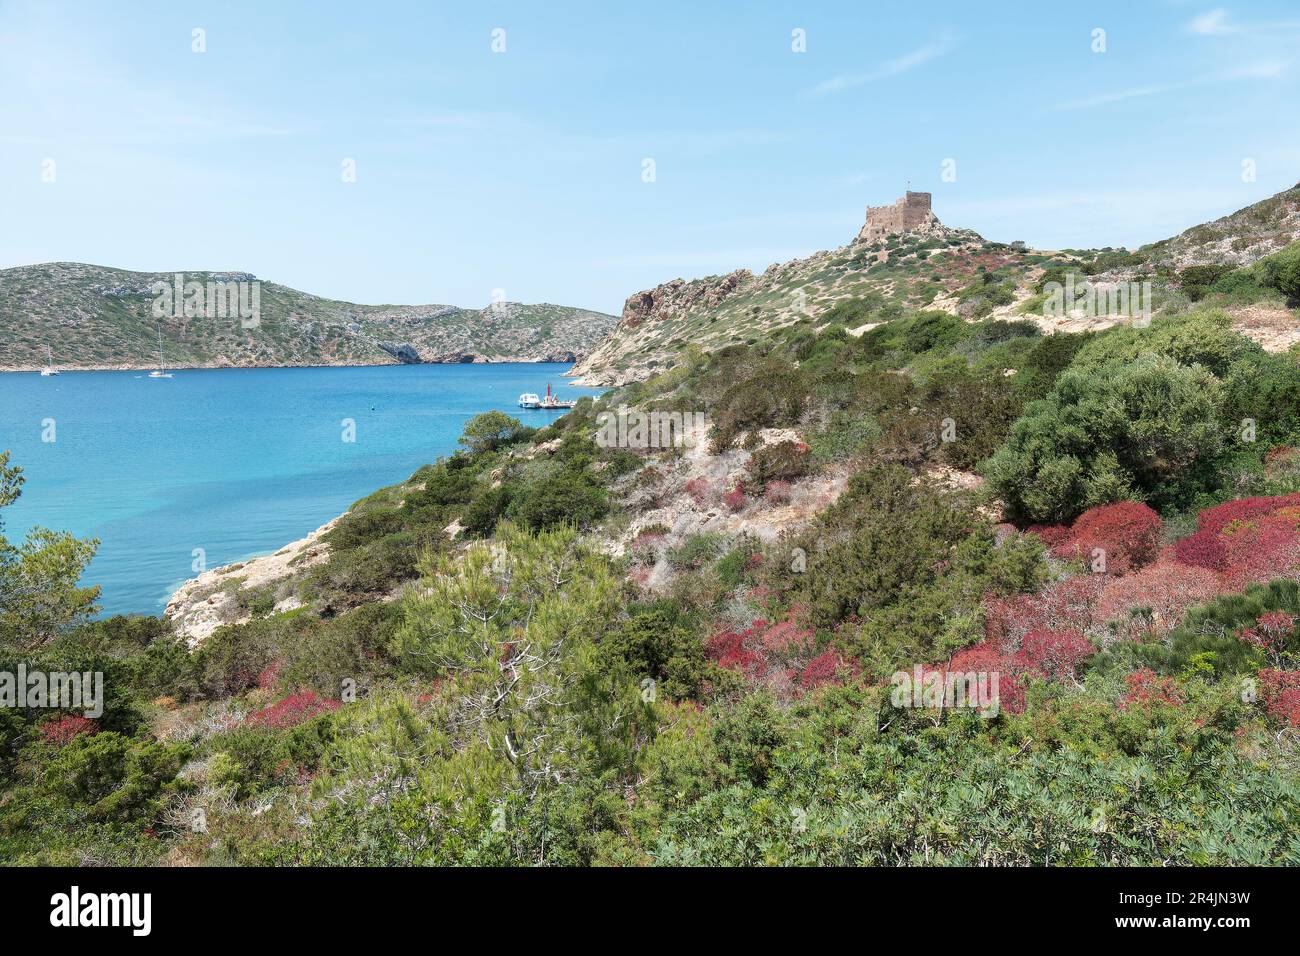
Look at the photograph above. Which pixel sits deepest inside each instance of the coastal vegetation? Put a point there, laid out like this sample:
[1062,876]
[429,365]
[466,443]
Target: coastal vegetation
[545,649]
[99,317]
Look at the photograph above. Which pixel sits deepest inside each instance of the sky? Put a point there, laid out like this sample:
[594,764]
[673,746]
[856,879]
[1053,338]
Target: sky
[576,152]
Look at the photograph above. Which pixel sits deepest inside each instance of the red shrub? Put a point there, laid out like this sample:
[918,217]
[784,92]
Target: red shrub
[735,499]
[62,730]
[1056,655]
[779,655]
[1274,623]
[1271,632]
[644,548]
[1203,549]
[1065,605]
[699,490]
[1145,689]
[783,637]
[1127,533]
[1243,509]
[1265,551]
[777,492]
[1250,539]
[1050,535]
[269,675]
[1167,588]
[728,650]
[289,774]
[648,540]
[1049,655]
[822,670]
[1281,694]
[986,658]
[292,710]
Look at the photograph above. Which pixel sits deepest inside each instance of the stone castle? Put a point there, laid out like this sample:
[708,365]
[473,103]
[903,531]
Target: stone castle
[909,214]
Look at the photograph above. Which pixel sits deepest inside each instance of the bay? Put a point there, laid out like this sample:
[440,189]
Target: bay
[237,462]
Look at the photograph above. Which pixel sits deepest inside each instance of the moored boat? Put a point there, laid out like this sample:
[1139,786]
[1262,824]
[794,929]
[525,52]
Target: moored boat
[550,401]
[547,401]
[160,371]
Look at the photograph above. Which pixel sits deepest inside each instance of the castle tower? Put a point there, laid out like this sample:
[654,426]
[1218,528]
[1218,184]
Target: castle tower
[910,214]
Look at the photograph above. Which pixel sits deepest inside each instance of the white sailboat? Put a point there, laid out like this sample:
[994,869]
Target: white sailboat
[160,372]
[49,364]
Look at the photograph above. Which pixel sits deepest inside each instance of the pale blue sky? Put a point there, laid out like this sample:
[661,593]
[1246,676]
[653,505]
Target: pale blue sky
[522,170]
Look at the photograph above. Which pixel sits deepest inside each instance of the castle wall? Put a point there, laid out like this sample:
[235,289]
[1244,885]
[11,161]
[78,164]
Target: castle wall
[910,212]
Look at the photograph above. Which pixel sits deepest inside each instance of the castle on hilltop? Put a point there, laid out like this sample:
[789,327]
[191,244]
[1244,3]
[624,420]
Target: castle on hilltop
[909,214]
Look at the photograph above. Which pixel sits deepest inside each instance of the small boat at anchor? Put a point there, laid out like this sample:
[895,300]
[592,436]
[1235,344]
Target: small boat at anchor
[49,364]
[160,371]
[549,401]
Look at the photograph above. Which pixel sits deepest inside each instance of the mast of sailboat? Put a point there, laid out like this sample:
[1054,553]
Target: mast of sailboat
[160,354]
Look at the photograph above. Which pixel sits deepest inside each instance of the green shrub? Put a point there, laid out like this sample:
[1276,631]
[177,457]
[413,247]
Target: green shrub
[1148,429]
[1209,635]
[1198,338]
[912,561]
[782,461]
[845,436]
[1050,356]
[1196,281]
[773,395]
[696,550]
[747,736]
[569,497]
[659,643]
[481,516]
[112,776]
[358,528]
[493,430]
[980,409]
[1281,271]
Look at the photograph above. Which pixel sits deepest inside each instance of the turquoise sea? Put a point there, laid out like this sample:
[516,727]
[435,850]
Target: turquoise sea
[238,462]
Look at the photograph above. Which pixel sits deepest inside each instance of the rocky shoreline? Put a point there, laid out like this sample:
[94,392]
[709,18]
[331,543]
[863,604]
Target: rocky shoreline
[204,603]
[458,359]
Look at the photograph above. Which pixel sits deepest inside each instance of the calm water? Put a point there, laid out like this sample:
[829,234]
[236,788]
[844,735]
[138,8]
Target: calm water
[236,461]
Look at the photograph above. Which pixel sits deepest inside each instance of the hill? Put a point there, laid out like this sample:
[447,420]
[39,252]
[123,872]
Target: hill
[896,264]
[737,613]
[98,317]
[1237,239]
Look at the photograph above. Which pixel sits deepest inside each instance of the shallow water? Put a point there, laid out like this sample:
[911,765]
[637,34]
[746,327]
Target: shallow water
[238,462]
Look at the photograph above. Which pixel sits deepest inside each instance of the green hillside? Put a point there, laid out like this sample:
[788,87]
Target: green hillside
[93,316]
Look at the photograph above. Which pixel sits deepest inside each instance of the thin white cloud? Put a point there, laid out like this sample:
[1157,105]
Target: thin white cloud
[1219,23]
[1211,23]
[902,64]
[1131,93]
[1258,70]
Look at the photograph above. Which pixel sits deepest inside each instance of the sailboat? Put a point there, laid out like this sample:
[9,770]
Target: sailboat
[159,372]
[49,364]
